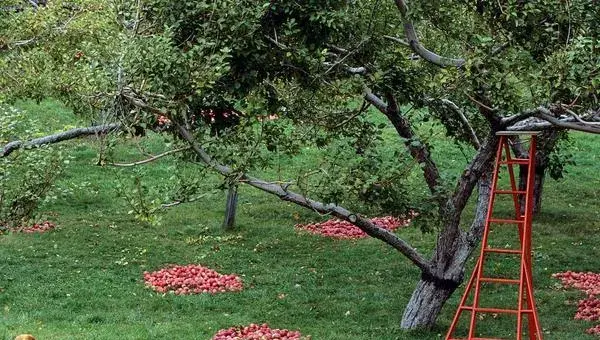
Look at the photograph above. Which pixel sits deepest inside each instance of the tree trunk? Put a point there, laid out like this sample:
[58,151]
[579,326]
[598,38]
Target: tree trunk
[538,187]
[431,293]
[546,143]
[426,302]
[230,207]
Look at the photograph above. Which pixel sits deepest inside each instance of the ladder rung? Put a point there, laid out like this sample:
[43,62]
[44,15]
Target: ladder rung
[499,280]
[502,251]
[475,339]
[516,161]
[518,192]
[506,221]
[496,310]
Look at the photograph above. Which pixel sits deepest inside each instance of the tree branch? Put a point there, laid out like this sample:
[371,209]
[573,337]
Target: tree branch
[58,137]
[476,168]
[546,115]
[280,191]
[417,47]
[151,159]
[374,100]
[398,40]
[542,118]
[418,150]
[472,135]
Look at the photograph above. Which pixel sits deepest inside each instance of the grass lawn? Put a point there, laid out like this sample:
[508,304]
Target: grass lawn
[84,280]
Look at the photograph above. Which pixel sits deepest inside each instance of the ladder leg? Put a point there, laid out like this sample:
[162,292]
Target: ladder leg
[533,321]
[484,240]
[463,300]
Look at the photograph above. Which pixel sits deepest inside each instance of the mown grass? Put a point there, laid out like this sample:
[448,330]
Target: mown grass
[84,280]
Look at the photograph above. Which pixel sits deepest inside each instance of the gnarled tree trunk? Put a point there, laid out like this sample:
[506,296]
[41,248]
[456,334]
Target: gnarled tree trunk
[452,252]
[426,302]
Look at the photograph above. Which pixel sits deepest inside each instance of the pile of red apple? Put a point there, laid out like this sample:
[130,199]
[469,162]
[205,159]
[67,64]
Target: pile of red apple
[589,308]
[594,330]
[588,282]
[340,229]
[254,331]
[35,228]
[191,279]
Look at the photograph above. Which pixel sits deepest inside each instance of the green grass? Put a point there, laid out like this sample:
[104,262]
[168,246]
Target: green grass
[84,280]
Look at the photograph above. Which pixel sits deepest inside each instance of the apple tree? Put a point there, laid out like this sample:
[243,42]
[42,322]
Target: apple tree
[211,73]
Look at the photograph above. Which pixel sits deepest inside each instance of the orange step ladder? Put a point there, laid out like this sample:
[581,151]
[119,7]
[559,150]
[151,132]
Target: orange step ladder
[526,302]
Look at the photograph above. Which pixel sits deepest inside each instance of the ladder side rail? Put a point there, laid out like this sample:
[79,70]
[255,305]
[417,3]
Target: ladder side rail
[525,285]
[533,324]
[486,229]
[462,302]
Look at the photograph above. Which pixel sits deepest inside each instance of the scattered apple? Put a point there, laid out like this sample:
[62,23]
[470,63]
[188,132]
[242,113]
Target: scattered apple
[191,279]
[35,228]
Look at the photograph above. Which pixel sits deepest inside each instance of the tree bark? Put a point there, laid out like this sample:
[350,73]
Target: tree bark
[230,207]
[58,137]
[431,293]
[546,143]
[426,302]
[538,187]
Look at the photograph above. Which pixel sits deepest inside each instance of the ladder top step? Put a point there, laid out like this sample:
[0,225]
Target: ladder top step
[517,133]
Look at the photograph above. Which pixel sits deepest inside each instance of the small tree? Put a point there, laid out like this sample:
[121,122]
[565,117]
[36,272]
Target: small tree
[25,180]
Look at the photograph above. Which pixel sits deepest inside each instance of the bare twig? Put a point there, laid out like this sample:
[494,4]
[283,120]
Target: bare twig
[365,105]
[398,40]
[151,159]
[474,139]
[176,203]
[479,103]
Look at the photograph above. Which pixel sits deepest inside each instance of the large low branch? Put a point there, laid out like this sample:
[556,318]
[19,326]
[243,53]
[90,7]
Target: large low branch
[58,137]
[417,47]
[542,118]
[286,195]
